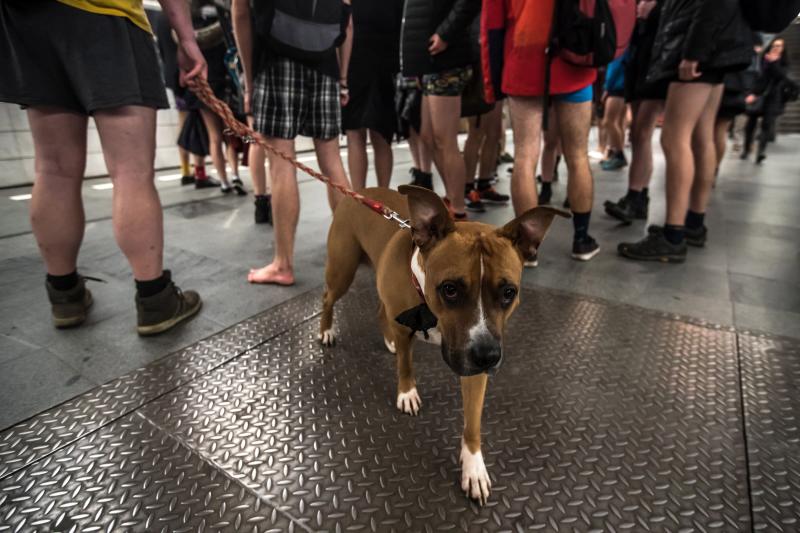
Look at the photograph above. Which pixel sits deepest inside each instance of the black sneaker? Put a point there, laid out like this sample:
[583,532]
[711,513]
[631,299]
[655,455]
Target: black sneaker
[187,180]
[206,183]
[760,158]
[69,308]
[473,202]
[626,211]
[566,203]
[165,310]
[492,196]
[505,157]
[585,249]
[545,195]
[263,213]
[694,236]
[226,189]
[654,247]
[238,186]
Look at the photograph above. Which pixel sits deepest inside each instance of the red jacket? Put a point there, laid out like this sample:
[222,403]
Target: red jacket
[514,35]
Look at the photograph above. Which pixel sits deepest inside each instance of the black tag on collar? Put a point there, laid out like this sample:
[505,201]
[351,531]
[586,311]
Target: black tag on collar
[418,318]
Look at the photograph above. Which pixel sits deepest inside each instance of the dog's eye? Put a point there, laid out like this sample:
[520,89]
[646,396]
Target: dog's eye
[449,290]
[509,293]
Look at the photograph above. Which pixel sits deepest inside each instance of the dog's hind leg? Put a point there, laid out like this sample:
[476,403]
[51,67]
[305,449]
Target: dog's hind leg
[408,400]
[474,477]
[344,256]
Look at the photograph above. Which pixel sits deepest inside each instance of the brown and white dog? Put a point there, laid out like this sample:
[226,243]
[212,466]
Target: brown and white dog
[468,274]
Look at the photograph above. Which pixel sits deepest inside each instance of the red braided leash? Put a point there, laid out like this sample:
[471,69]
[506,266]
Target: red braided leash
[200,88]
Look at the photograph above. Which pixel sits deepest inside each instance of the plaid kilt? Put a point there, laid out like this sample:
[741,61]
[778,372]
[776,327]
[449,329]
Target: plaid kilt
[291,99]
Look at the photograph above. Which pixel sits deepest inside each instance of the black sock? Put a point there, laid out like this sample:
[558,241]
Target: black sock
[153,286]
[694,220]
[634,197]
[646,192]
[547,186]
[65,282]
[673,234]
[468,187]
[580,221]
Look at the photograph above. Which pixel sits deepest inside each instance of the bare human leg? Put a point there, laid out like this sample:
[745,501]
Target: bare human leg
[491,123]
[56,210]
[704,151]
[444,113]
[526,123]
[330,163]
[127,135]
[214,126]
[357,162]
[645,116]
[574,122]
[285,213]
[383,157]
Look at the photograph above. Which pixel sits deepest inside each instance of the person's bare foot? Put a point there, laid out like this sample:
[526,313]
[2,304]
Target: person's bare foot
[271,274]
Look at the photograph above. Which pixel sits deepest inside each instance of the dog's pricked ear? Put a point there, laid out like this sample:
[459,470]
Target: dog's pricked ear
[430,219]
[527,231]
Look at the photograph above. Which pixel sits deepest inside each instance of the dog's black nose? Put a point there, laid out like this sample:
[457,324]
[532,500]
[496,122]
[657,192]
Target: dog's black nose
[485,353]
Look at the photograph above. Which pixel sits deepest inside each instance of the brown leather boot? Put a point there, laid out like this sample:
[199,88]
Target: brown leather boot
[165,310]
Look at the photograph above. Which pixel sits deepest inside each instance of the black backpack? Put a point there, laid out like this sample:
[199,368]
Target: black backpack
[303,30]
[770,16]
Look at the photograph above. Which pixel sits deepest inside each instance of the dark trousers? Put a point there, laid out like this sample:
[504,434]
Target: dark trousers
[767,132]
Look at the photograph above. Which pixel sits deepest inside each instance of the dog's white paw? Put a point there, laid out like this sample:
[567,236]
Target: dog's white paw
[327,337]
[475,480]
[390,345]
[409,402]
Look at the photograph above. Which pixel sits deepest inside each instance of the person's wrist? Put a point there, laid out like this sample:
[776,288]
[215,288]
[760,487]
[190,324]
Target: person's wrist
[343,82]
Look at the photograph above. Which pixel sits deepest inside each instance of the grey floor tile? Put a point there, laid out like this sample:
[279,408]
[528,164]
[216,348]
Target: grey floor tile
[35,381]
[768,293]
[776,322]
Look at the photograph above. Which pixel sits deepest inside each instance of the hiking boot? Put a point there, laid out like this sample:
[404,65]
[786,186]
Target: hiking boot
[654,247]
[627,211]
[473,201]
[489,194]
[69,308]
[421,179]
[263,213]
[585,249]
[165,310]
[694,236]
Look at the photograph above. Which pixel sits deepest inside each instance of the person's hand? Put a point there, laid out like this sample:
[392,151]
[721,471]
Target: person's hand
[247,101]
[191,62]
[687,70]
[644,8]
[344,93]
[437,45]
[750,99]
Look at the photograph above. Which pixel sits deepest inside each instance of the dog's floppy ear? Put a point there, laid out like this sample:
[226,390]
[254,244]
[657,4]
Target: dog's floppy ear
[430,219]
[527,231]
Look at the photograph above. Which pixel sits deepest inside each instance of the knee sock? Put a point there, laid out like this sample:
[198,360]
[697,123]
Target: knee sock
[151,287]
[673,234]
[186,169]
[580,222]
[694,220]
[547,187]
[65,282]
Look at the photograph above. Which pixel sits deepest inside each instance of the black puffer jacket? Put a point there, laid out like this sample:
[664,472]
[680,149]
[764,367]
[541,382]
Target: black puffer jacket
[712,32]
[451,20]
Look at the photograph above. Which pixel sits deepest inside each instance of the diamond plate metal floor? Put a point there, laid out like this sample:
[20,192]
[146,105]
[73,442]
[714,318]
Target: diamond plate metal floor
[604,418]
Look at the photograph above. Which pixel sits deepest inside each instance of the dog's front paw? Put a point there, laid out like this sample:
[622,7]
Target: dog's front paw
[409,402]
[327,337]
[474,477]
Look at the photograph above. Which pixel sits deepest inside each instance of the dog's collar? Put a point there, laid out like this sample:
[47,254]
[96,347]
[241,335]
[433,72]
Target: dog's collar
[419,318]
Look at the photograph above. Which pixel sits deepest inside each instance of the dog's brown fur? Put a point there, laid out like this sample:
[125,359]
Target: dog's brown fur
[483,261]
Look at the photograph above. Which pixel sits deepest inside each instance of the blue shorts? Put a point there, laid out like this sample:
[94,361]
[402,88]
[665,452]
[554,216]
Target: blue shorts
[576,97]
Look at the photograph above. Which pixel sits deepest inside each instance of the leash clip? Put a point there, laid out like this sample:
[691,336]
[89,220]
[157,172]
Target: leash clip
[400,221]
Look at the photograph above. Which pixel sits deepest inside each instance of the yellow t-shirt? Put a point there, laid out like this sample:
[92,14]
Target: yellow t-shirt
[131,9]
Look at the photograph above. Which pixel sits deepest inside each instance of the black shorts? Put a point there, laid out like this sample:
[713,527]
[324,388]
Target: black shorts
[60,56]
